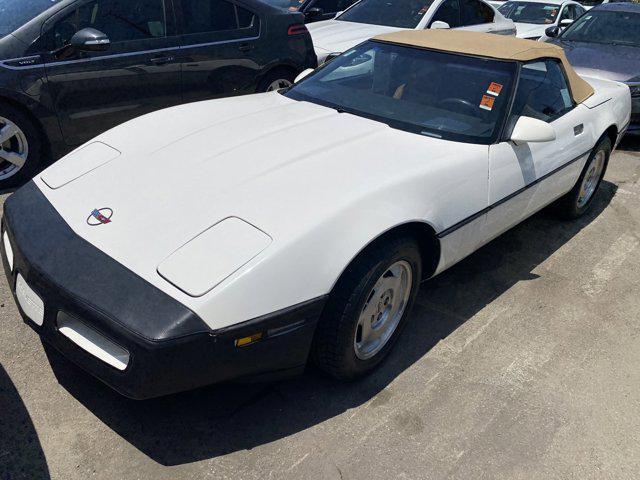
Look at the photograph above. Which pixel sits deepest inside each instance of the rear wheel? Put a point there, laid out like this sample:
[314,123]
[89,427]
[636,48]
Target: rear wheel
[368,309]
[276,79]
[20,147]
[576,203]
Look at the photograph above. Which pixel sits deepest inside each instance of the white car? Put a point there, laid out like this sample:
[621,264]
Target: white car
[533,17]
[242,236]
[368,18]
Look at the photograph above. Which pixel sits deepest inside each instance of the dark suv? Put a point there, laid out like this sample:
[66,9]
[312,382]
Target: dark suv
[71,69]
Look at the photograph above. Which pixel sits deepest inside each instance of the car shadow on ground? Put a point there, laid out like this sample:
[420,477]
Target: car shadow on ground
[221,419]
[21,456]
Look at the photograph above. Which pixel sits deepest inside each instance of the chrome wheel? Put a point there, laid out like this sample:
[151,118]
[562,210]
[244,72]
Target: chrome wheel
[383,310]
[591,178]
[14,148]
[278,84]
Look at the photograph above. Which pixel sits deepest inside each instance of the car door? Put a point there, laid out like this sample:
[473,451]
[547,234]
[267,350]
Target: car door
[92,92]
[524,178]
[219,48]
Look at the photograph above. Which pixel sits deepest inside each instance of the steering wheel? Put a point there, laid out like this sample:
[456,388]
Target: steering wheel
[456,103]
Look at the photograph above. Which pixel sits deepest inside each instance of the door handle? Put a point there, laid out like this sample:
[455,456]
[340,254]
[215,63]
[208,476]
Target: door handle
[578,129]
[162,60]
[245,47]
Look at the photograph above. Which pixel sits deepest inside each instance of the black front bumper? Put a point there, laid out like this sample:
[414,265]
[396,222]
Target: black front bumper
[170,348]
[634,126]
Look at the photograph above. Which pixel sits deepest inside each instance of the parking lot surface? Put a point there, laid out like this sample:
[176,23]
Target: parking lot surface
[521,362]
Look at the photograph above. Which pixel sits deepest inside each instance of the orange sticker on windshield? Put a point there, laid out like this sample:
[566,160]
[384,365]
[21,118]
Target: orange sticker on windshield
[494,89]
[487,102]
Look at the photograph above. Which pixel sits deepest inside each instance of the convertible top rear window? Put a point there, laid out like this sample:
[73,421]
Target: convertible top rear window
[438,94]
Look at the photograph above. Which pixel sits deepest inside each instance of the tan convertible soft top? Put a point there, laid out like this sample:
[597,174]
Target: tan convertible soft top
[492,46]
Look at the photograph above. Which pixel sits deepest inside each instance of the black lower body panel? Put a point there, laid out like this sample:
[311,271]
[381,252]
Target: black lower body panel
[170,348]
[634,126]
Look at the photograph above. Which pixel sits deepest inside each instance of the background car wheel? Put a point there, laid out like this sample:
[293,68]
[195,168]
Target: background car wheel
[575,203]
[368,308]
[21,151]
[276,79]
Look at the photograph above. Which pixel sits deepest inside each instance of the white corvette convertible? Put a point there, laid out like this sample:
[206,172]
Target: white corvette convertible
[243,236]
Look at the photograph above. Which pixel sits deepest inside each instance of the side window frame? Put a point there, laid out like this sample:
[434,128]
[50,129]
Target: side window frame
[464,7]
[563,73]
[216,36]
[569,11]
[433,18]
[511,118]
[116,47]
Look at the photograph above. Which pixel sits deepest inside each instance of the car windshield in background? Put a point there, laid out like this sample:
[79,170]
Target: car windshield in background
[15,13]
[437,94]
[611,27]
[392,13]
[593,3]
[291,5]
[529,12]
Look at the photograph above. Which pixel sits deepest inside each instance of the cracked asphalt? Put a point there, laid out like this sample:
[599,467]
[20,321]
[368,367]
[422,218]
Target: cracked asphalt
[521,362]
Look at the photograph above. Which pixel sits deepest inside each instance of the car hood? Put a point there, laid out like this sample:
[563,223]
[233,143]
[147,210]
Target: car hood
[337,36]
[277,164]
[529,30]
[610,62]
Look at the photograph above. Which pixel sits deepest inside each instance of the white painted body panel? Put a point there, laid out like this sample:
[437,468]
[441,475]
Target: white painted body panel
[295,170]
[321,184]
[337,36]
[531,30]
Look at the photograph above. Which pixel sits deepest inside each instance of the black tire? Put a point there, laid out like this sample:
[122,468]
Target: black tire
[568,206]
[334,349]
[36,158]
[274,75]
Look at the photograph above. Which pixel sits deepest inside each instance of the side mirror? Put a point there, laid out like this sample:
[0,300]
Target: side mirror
[566,22]
[90,40]
[314,12]
[303,74]
[532,130]
[439,25]
[553,32]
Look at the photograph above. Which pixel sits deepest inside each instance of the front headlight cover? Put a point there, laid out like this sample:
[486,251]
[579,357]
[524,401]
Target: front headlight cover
[78,163]
[205,261]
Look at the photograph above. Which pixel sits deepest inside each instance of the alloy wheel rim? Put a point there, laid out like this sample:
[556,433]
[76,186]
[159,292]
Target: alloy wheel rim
[591,179]
[14,148]
[381,314]
[278,84]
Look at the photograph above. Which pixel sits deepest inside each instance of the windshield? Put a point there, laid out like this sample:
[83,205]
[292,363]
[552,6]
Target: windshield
[436,94]
[529,12]
[392,13]
[15,13]
[619,28]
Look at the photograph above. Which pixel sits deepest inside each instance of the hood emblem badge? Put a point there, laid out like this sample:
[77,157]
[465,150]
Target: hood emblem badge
[100,216]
